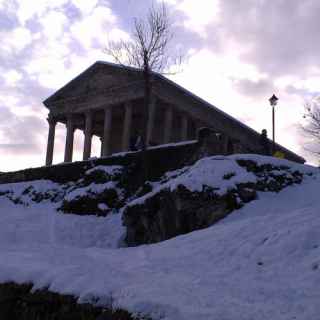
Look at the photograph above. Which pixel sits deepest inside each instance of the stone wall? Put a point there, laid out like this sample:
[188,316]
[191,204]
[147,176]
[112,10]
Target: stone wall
[161,160]
[151,165]
[129,181]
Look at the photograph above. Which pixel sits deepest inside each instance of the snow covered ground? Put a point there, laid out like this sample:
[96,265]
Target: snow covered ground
[261,262]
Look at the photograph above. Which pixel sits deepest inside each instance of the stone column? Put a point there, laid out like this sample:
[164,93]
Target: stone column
[127,126]
[101,149]
[150,125]
[168,125]
[225,144]
[106,132]
[87,136]
[69,140]
[50,146]
[184,128]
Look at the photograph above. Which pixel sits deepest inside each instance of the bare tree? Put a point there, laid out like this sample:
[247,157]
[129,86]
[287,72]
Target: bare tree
[148,48]
[312,124]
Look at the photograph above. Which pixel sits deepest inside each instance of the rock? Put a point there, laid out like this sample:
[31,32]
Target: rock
[168,214]
[18,302]
[91,203]
[246,193]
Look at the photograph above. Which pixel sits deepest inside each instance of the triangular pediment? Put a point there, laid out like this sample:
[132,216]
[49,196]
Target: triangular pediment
[99,76]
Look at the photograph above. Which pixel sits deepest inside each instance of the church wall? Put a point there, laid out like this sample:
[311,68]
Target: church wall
[206,115]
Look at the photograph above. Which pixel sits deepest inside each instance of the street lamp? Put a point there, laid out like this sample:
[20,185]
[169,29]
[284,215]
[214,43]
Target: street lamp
[273,102]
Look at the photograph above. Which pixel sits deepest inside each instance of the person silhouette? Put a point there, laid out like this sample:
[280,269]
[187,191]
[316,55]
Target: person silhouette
[264,143]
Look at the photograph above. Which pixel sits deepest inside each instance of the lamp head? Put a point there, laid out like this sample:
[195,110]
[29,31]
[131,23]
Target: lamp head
[273,100]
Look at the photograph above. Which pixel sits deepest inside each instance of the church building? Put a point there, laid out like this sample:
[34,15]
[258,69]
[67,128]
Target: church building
[107,100]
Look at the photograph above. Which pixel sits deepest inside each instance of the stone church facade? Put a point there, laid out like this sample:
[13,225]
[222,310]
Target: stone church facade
[106,100]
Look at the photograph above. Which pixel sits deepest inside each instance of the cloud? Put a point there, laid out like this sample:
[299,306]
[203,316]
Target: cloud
[45,44]
[279,36]
[34,9]
[16,131]
[12,77]
[18,148]
[199,16]
[53,24]
[86,7]
[93,27]
[15,40]
[255,89]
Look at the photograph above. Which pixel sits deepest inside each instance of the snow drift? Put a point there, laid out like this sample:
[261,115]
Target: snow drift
[260,262]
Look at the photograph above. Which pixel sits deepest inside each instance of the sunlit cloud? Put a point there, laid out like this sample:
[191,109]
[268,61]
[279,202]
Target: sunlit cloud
[34,9]
[92,28]
[86,7]
[53,24]
[199,14]
[12,77]
[15,40]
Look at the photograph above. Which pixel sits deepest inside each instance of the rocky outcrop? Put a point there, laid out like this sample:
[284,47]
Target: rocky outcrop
[19,302]
[167,213]
[100,191]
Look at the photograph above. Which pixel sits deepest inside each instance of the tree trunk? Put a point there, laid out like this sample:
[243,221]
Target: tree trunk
[147,96]
[147,99]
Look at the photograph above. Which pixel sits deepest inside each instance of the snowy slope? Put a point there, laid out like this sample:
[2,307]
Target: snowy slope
[261,262]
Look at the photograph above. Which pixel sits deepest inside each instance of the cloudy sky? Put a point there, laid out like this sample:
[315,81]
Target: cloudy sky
[240,53]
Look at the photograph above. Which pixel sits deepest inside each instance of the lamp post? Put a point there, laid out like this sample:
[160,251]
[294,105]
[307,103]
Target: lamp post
[273,102]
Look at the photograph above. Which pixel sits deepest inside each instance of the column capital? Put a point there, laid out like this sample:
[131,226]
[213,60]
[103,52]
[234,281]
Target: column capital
[70,121]
[70,116]
[128,104]
[106,108]
[51,120]
[88,113]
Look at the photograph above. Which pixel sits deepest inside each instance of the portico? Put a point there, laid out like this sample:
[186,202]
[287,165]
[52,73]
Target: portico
[117,125]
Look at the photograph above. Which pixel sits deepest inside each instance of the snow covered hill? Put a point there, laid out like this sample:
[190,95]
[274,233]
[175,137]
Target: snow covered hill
[261,262]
